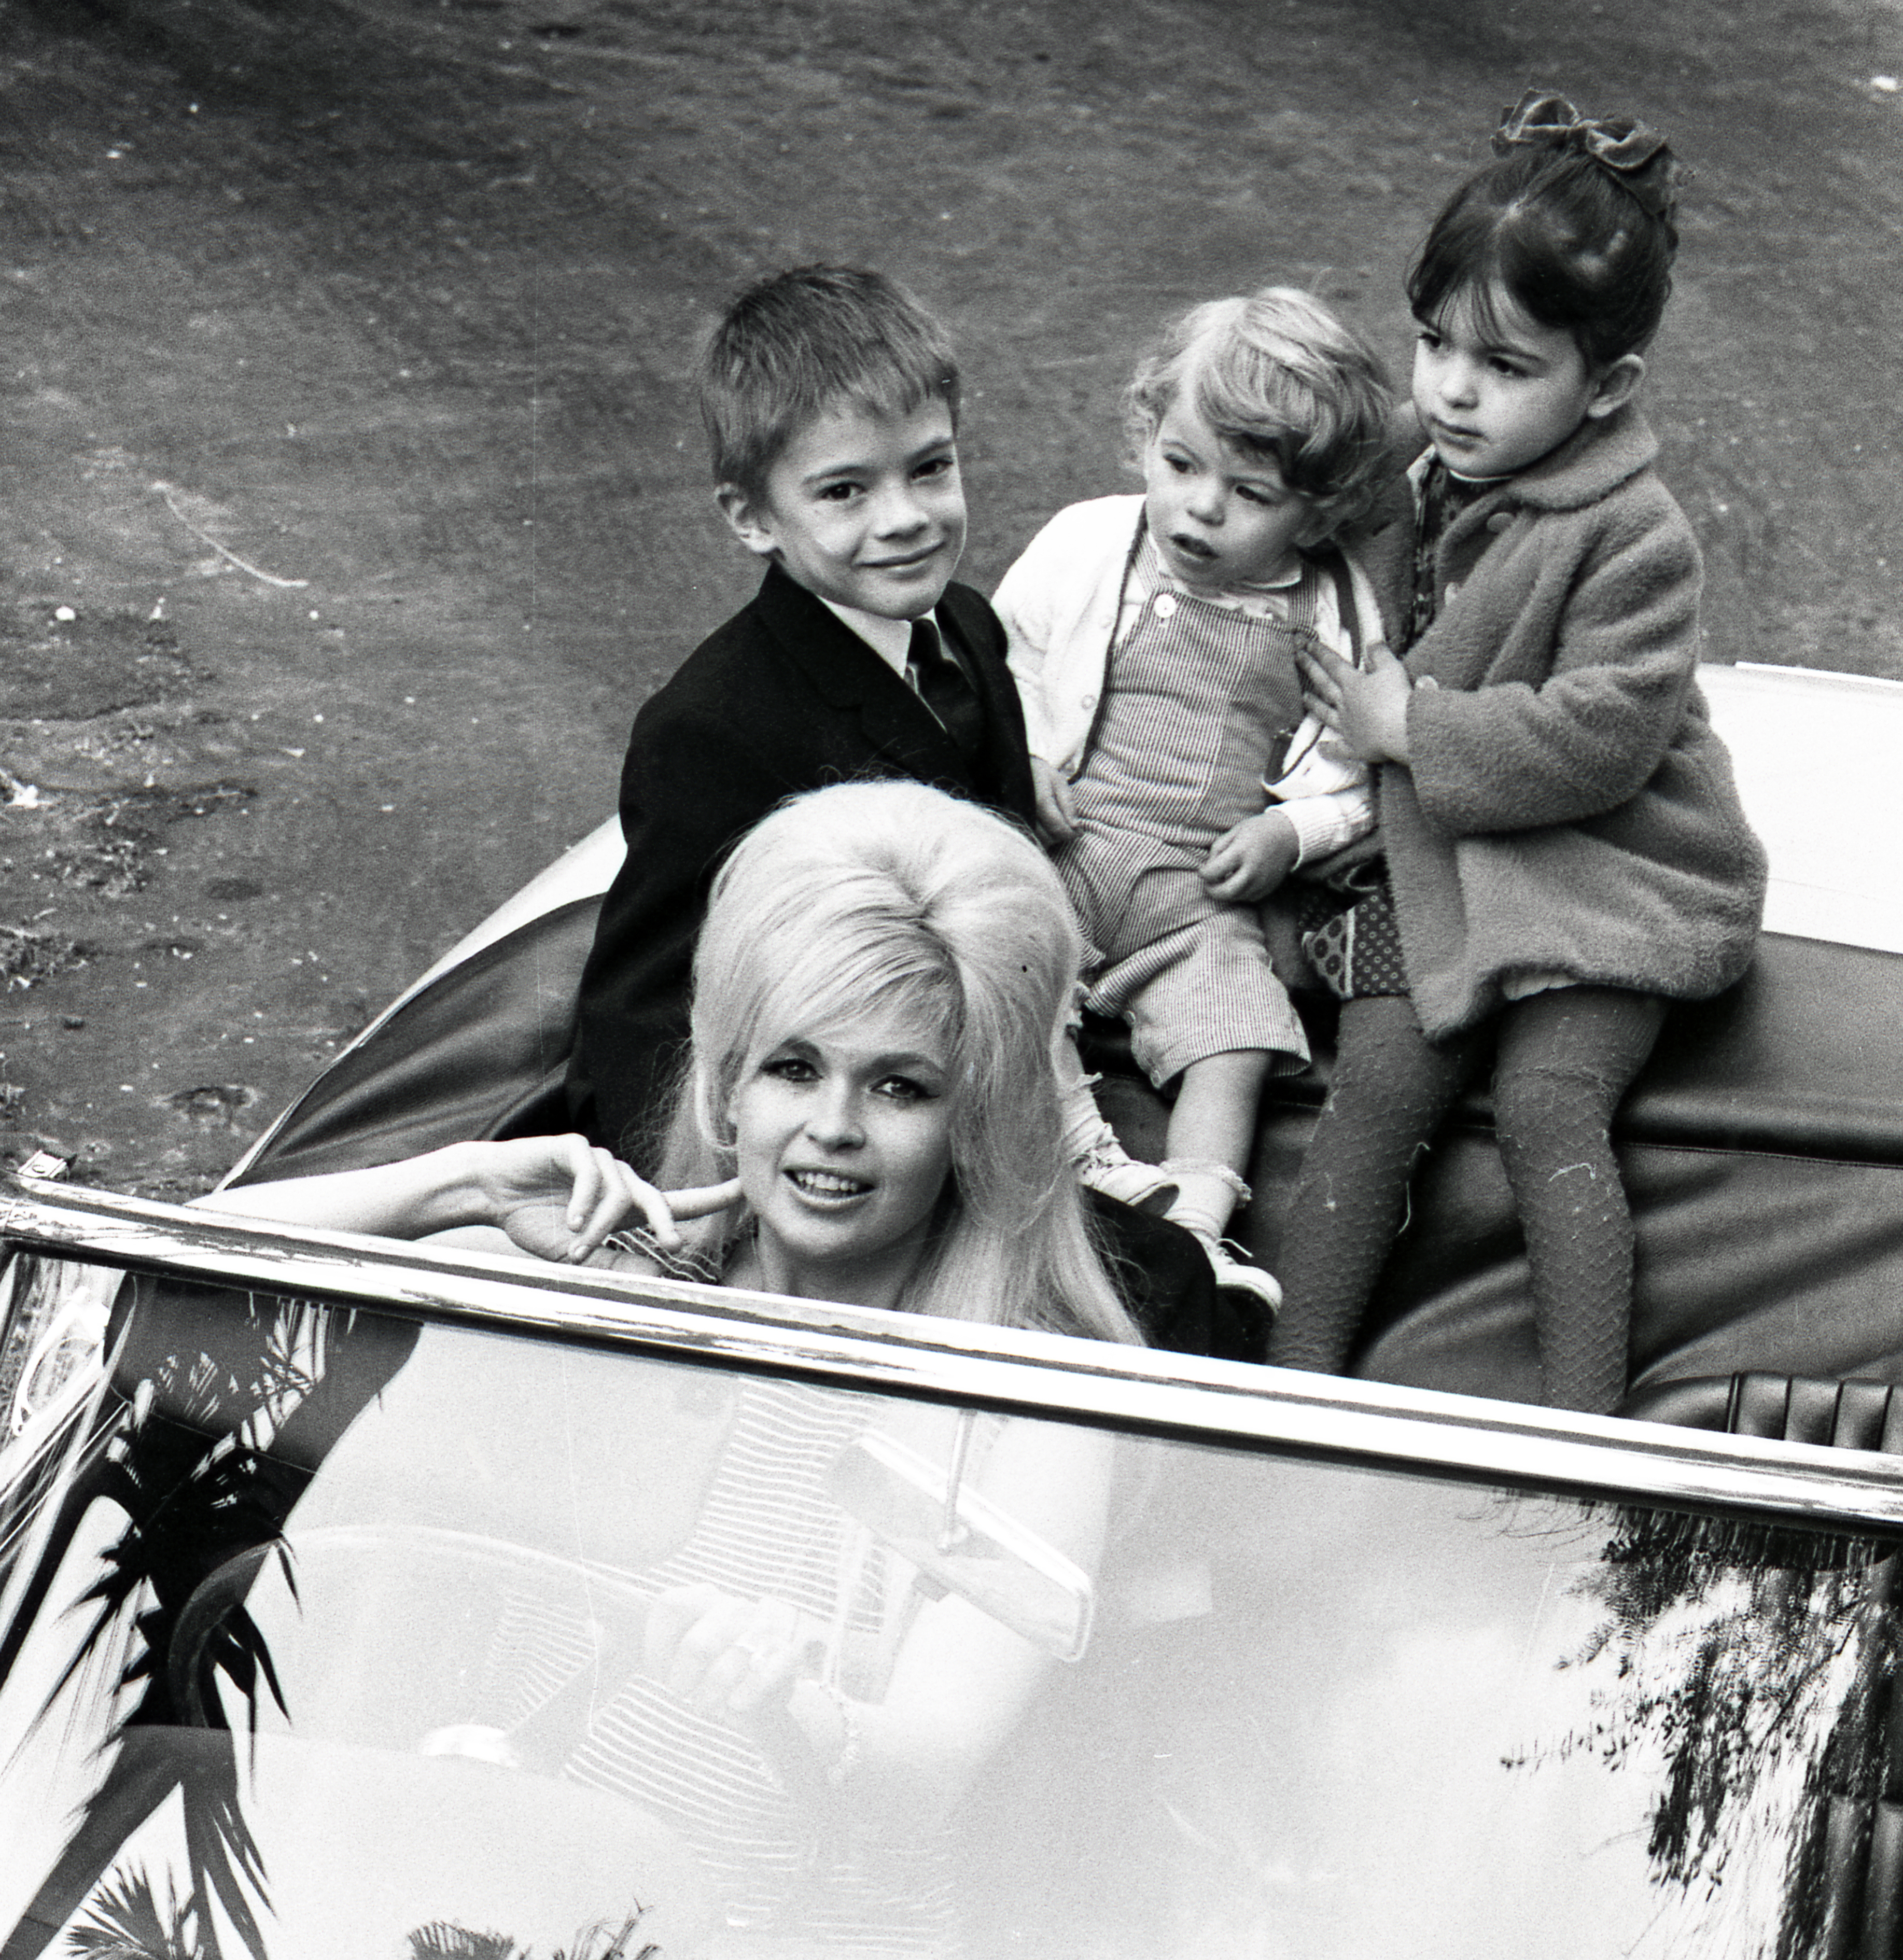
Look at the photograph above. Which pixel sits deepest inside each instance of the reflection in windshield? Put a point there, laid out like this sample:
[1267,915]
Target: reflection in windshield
[193,1449]
[1758,1664]
[338,1637]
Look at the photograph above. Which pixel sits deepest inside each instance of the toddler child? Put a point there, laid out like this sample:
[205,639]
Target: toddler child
[1562,845]
[1179,777]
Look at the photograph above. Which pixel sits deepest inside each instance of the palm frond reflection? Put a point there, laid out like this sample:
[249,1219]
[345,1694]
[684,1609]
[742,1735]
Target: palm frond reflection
[1752,1668]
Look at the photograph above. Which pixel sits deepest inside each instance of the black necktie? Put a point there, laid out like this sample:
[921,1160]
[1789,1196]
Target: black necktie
[943,687]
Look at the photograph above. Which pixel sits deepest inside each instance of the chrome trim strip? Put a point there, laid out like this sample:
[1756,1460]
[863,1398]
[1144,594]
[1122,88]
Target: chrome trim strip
[1215,1402]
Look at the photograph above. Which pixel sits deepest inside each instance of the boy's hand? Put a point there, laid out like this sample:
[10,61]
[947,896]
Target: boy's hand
[1367,709]
[1246,864]
[1056,813]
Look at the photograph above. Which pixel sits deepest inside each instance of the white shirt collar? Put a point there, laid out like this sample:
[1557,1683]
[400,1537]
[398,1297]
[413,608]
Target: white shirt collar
[890,639]
[1149,575]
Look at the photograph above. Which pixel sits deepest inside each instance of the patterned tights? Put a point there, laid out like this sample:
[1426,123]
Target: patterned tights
[1562,1060]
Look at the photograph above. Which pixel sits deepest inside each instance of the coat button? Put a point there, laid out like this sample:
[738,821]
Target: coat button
[1166,605]
[1499,521]
[1089,700]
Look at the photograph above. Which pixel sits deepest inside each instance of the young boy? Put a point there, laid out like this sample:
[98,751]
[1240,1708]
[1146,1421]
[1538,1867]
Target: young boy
[831,400]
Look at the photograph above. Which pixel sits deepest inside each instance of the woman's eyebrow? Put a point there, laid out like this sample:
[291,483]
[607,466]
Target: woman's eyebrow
[910,1060]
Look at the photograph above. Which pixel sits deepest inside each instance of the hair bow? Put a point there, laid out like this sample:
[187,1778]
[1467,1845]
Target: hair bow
[1638,157]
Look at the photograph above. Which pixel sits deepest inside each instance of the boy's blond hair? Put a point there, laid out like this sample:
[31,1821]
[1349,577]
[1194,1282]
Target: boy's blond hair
[1277,374]
[802,341]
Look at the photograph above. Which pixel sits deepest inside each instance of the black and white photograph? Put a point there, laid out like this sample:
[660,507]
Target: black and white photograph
[653,1306]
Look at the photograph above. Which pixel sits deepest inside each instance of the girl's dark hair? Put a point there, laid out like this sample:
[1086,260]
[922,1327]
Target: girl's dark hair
[1578,245]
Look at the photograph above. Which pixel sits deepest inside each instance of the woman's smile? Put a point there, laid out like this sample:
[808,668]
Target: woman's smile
[828,1187]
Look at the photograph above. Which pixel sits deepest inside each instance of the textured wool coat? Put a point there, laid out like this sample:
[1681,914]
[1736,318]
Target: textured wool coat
[1567,808]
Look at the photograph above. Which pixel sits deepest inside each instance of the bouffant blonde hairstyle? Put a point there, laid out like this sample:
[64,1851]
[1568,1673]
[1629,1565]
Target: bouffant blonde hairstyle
[892,895]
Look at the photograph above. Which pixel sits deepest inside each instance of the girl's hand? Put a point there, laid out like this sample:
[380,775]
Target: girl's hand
[1247,863]
[1367,707]
[1056,813]
[730,1659]
[560,1196]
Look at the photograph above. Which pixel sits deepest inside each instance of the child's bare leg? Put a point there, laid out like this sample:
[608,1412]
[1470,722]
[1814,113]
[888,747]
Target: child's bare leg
[1566,1058]
[1211,1133]
[1391,1089]
[1091,1145]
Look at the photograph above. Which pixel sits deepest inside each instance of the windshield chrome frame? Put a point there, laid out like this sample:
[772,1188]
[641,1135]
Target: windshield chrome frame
[1189,1398]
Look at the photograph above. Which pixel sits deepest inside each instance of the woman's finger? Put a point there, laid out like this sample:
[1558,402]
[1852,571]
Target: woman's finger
[723,1655]
[610,1206]
[702,1201]
[584,1181]
[633,1193]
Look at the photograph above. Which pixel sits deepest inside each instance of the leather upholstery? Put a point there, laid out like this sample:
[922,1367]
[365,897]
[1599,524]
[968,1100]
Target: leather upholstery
[482,1052]
[1763,1151]
[1782,1408]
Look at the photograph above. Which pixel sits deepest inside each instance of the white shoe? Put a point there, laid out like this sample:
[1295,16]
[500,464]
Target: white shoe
[1234,1267]
[1109,1167]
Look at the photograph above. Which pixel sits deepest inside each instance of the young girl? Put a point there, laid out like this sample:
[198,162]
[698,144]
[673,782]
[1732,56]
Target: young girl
[1179,777]
[1564,849]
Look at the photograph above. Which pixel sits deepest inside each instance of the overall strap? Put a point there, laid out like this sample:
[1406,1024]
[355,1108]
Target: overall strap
[1305,601]
[1348,612]
[1130,558]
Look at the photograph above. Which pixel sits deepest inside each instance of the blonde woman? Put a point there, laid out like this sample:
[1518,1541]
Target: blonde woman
[871,1116]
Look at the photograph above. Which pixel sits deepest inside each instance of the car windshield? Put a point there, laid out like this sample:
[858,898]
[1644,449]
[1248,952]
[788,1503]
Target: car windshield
[326,1632]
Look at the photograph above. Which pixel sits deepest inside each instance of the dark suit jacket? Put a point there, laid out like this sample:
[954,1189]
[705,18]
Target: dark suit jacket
[783,698]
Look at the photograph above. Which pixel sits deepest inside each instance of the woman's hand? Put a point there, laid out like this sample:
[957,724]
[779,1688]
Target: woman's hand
[560,1196]
[731,1659]
[1367,707]
[1056,812]
[1248,862]
[555,1197]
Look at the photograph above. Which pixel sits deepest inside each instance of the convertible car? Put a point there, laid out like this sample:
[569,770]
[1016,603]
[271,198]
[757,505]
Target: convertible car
[329,1567]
